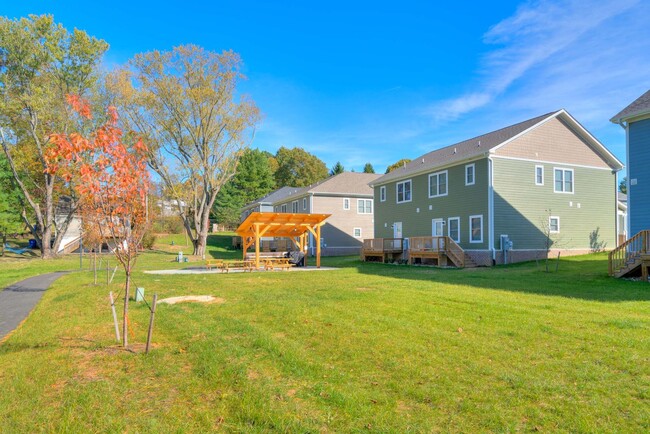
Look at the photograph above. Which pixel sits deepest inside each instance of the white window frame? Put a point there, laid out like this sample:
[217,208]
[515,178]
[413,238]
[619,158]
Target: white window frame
[467,166]
[276,209]
[283,208]
[550,227]
[354,233]
[346,204]
[304,204]
[410,183]
[294,207]
[365,207]
[457,219]
[437,175]
[538,166]
[382,193]
[471,240]
[573,180]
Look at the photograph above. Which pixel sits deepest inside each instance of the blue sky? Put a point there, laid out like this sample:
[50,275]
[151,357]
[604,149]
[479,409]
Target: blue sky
[375,81]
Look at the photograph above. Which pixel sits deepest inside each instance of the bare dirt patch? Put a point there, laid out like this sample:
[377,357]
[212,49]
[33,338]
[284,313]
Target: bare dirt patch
[208,299]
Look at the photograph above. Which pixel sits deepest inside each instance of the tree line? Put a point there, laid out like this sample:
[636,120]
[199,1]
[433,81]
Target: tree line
[182,103]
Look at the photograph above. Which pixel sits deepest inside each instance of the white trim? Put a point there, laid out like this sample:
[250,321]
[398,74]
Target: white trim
[491,208]
[573,180]
[304,204]
[586,134]
[449,228]
[283,207]
[609,169]
[473,166]
[539,166]
[437,175]
[595,140]
[470,229]
[382,193]
[346,204]
[295,202]
[627,181]
[354,231]
[550,230]
[526,131]
[364,206]
[410,181]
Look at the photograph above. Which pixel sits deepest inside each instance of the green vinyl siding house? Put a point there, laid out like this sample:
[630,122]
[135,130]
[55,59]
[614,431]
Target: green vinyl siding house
[543,181]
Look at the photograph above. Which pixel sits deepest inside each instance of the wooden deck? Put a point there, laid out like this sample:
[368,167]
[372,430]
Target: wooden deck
[382,249]
[442,251]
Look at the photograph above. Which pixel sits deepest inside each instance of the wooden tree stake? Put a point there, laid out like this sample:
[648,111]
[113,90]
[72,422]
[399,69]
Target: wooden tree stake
[153,313]
[117,328]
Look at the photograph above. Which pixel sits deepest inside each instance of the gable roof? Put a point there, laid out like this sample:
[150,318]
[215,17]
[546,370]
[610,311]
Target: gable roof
[345,183]
[639,107]
[273,196]
[352,183]
[489,143]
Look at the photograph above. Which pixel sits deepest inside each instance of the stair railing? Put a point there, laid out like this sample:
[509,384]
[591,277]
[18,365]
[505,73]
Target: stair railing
[627,252]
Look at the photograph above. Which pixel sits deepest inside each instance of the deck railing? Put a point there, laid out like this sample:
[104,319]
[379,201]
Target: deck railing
[627,252]
[427,244]
[442,244]
[383,244]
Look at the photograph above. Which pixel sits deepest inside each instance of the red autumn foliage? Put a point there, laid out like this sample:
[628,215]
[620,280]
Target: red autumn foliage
[112,181]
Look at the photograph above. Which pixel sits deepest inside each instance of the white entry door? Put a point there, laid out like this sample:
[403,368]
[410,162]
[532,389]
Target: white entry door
[397,230]
[437,227]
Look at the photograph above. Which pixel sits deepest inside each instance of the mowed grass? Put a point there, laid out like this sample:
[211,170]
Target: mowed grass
[367,347]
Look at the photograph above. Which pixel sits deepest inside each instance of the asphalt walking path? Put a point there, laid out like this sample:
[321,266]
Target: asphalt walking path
[18,300]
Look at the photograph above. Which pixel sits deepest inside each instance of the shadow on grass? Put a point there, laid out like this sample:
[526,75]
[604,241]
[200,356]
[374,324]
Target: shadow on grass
[582,277]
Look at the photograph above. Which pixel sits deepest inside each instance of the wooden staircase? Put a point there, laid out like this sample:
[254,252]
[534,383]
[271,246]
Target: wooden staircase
[632,257]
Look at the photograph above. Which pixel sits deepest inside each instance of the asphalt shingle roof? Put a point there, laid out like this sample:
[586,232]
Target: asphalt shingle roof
[462,150]
[639,106]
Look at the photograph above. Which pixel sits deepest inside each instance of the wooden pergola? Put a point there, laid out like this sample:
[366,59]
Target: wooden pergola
[296,227]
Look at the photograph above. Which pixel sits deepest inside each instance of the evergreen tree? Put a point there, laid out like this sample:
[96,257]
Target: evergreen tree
[253,179]
[368,168]
[338,168]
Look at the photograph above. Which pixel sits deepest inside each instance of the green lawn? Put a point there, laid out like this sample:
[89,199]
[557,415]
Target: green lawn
[367,347]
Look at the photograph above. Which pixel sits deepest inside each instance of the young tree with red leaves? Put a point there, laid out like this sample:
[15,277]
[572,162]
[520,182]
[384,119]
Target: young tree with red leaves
[112,182]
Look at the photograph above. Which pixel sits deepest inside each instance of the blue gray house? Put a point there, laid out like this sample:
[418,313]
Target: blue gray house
[635,118]
[633,257]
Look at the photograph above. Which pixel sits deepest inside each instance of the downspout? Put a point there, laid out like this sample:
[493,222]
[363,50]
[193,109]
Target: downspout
[491,209]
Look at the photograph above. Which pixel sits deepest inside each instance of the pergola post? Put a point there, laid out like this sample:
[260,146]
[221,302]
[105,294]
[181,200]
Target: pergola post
[318,246]
[257,245]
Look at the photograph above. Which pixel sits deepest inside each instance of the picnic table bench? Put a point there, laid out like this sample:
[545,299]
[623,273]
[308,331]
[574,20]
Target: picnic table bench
[213,263]
[281,263]
[230,265]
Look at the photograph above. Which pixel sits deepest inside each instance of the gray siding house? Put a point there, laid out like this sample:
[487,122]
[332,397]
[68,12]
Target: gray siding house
[635,119]
[544,179]
[346,196]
